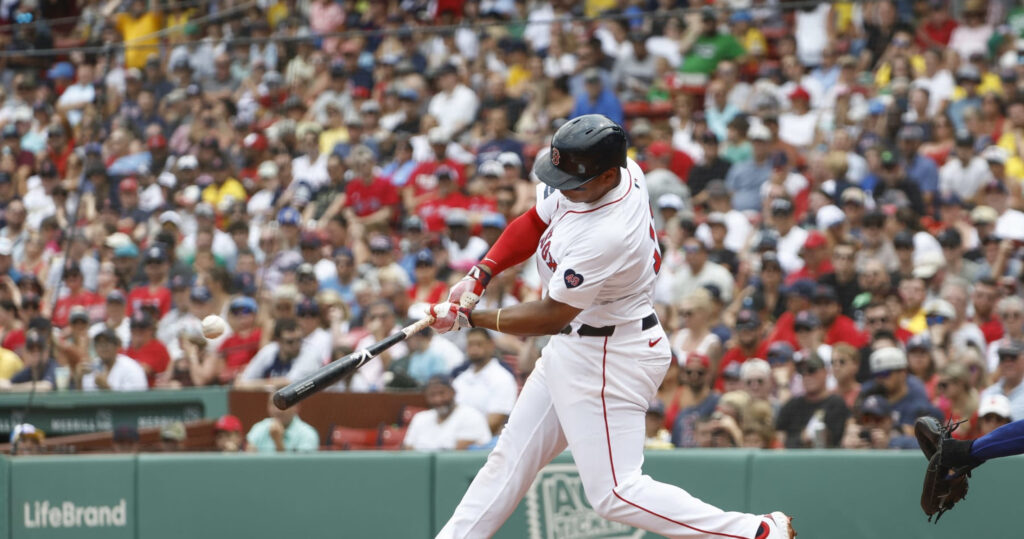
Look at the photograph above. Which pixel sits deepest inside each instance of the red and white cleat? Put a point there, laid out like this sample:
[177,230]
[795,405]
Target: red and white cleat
[776,525]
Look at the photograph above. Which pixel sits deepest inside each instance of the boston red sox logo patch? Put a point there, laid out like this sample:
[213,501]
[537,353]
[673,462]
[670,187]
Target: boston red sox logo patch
[572,279]
[555,157]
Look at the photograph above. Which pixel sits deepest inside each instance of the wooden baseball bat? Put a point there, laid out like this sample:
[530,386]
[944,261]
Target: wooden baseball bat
[327,375]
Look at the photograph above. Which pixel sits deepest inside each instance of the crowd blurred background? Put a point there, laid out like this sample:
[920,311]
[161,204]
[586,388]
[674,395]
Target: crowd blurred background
[837,189]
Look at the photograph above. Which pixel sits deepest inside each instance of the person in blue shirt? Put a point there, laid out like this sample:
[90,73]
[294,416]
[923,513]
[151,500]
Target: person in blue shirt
[282,431]
[745,179]
[920,169]
[40,371]
[903,391]
[597,98]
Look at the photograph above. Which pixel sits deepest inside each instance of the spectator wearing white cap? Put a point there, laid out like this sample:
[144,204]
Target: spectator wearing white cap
[993,412]
[903,391]
[960,332]
[964,172]
[1011,378]
[736,223]
[744,179]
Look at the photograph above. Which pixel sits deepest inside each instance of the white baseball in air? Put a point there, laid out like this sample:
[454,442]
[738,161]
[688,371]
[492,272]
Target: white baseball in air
[214,326]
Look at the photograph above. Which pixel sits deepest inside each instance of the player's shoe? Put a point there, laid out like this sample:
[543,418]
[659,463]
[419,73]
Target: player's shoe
[776,525]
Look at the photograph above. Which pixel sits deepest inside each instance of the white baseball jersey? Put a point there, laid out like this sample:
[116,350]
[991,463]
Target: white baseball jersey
[606,266]
[591,393]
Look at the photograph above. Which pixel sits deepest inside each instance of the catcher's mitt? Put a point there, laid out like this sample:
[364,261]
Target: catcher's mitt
[949,466]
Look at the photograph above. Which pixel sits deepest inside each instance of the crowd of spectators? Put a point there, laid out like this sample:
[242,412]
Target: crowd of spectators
[837,190]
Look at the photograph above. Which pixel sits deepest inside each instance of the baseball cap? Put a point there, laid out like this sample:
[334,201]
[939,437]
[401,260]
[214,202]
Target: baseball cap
[179,282]
[815,240]
[6,246]
[994,404]
[824,292]
[806,320]
[491,168]
[141,320]
[903,239]
[940,307]
[305,269]
[694,357]
[424,258]
[888,358]
[493,220]
[228,423]
[781,206]
[995,154]
[801,287]
[950,237]
[829,216]
[243,305]
[289,216]
[759,132]
[129,184]
[670,200]
[911,132]
[413,222]
[799,93]
[747,319]
[155,254]
[875,405]
[380,244]
[107,335]
[813,361]
[267,169]
[755,368]
[78,313]
[115,296]
[717,188]
[126,251]
[921,341]
[780,352]
[307,307]
[509,159]
[187,162]
[456,218]
[442,379]
[200,293]
[171,216]
[854,195]
[984,215]
[205,209]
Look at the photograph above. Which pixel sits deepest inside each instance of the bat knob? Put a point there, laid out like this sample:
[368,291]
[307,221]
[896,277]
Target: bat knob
[280,401]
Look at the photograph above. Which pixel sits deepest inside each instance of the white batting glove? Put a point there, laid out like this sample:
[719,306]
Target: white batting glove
[449,317]
[468,291]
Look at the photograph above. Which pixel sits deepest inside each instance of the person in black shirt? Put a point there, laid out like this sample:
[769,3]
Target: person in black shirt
[712,167]
[894,187]
[844,276]
[40,371]
[817,418]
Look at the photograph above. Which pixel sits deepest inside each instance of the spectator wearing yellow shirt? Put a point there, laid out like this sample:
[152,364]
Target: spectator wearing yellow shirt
[10,364]
[747,34]
[223,186]
[139,22]
[334,132]
[1012,139]
[990,82]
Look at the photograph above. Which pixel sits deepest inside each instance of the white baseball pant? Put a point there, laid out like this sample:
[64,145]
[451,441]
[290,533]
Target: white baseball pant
[591,393]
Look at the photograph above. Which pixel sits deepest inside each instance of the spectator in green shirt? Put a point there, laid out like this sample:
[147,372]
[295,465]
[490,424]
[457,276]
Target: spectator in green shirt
[282,431]
[705,49]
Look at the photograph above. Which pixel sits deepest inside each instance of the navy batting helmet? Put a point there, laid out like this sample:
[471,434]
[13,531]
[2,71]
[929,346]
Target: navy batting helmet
[581,150]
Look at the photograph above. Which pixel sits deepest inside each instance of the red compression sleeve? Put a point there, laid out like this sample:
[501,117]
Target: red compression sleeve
[516,243]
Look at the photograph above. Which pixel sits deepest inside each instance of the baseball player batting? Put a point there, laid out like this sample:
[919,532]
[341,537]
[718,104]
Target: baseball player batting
[593,233]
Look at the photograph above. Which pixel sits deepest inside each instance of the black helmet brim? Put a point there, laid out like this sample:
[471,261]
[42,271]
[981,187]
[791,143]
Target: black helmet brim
[556,177]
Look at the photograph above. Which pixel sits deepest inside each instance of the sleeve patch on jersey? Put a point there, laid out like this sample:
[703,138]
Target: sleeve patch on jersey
[572,279]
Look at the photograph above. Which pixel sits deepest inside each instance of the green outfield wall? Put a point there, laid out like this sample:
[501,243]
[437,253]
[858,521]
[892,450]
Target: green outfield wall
[833,494]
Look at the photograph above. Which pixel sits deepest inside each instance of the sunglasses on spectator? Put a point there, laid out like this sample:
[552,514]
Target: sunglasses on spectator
[942,385]
[808,371]
[240,311]
[1007,357]
[686,313]
[800,329]
[695,372]
[772,268]
[776,359]
[881,375]
[935,319]
[756,381]
[878,320]
[992,417]
[292,341]
[1012,314]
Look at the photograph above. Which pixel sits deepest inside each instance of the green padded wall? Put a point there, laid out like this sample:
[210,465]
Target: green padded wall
[326,495]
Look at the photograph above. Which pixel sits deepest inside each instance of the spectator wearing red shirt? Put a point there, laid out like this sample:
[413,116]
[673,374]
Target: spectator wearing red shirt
[77,296]
[984,298]
[816,259]
[369,200]
[798,298]
[155,292]
[58,148]
[12,334]
[423,180]
[937,27]
[436,207]
[146,348]
[427,288]
[839,328]
[236,351]
[748,344]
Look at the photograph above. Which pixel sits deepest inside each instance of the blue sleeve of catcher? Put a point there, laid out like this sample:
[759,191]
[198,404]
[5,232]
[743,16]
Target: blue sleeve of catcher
[1002,442]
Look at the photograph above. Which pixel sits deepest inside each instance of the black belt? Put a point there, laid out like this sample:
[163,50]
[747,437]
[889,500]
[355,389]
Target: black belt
[585,330]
